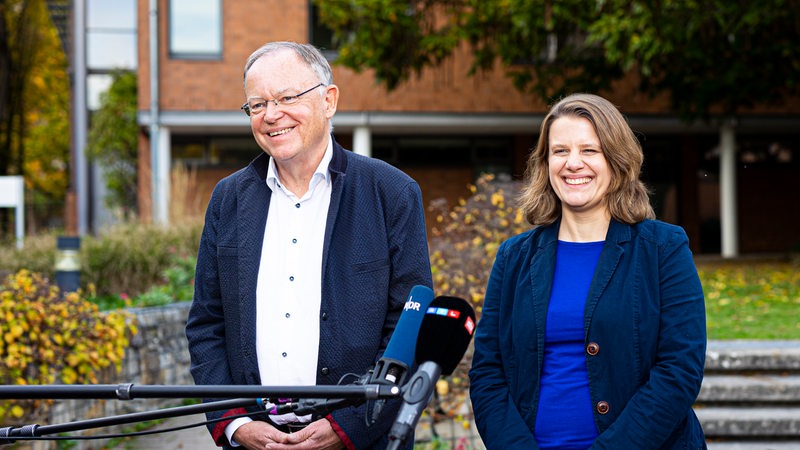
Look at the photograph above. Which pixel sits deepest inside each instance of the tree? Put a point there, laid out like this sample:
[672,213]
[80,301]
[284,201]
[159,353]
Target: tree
[712,58]
[47,139]
[113,142]
[709,57]
[34,102]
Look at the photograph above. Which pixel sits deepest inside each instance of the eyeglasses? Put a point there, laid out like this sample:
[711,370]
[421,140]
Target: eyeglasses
[256,106]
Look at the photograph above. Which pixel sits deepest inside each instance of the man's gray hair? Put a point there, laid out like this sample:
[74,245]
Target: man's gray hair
[308,53]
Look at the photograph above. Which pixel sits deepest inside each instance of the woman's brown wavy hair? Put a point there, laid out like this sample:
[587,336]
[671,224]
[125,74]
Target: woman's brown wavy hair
[627,198]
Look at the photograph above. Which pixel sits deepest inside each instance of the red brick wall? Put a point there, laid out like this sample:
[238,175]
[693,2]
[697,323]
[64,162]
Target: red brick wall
[217,85]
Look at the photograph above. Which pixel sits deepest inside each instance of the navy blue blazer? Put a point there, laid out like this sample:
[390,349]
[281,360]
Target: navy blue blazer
[645,337]
[375,250]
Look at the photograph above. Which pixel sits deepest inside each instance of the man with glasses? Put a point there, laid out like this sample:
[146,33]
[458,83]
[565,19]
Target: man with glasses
[305,262]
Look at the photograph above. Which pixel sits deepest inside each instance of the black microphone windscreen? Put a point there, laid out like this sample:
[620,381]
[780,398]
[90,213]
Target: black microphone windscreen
[445,332]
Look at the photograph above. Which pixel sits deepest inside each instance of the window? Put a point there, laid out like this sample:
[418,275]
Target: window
[195,29]
[111,35]
[110,44]
[321,36]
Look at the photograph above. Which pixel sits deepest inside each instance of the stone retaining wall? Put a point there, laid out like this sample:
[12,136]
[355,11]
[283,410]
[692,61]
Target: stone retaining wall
[157,355]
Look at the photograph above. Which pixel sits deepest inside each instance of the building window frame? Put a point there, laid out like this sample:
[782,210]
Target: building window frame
[178,13]
[319,35]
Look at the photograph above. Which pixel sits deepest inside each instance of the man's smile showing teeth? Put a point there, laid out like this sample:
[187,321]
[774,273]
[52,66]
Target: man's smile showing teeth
[278,133]
[577,180]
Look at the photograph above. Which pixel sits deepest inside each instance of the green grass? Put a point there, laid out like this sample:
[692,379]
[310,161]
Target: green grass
[752,300]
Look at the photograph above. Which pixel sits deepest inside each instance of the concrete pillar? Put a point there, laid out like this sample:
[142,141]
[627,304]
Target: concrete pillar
[80,118]
[162,175]
[727,191]
[362,141]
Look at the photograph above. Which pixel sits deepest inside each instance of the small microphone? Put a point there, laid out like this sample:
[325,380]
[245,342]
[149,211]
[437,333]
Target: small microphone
[398,358]
[444,336]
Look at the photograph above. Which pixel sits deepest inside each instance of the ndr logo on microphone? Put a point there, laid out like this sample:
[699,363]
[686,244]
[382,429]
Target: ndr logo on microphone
[412,305]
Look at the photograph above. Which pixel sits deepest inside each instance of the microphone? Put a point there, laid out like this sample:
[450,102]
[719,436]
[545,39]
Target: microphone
[398,357]
[444,336]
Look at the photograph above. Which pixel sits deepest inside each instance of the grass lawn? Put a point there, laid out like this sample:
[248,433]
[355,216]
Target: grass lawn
[752,299]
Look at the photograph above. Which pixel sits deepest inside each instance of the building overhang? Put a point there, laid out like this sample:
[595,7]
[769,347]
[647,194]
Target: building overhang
[234,122]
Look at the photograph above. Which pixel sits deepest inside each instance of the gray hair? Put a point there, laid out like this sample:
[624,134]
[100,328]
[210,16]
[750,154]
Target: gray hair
[308,53]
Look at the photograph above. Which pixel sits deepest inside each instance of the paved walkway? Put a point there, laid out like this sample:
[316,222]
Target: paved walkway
[195,438]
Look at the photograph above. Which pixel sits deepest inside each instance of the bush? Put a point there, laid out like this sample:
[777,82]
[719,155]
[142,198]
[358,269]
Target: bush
[51,338]
[38,255]
[463,244]
[129,258]
[465,239]
[133,258]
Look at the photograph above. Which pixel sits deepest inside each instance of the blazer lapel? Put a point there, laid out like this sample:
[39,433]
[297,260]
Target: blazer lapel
[541,274]
[606,266]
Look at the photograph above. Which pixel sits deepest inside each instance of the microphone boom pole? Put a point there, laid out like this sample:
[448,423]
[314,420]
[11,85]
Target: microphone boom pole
[8,435]
[129,391]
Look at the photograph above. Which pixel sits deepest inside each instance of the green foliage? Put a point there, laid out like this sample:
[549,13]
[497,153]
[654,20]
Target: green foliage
[48,337]
[711,57]
[708,57]
[38,255]
[176,284]
[132,258]
[126,258]
[113,142]
[391,36]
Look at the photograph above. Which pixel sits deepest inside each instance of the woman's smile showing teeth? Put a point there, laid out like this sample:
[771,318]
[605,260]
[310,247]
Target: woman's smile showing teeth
[576,181]
[279,132]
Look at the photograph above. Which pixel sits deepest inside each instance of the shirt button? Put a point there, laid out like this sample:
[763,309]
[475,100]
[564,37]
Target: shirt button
[283,354]
[324,316]
[324,371]
[602,407]
[592,348]
[297,205]
[294,241]
[291,278]
[288,315]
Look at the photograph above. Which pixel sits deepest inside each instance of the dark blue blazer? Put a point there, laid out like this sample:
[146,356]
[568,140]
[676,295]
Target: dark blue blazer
[375,251]
[645,337]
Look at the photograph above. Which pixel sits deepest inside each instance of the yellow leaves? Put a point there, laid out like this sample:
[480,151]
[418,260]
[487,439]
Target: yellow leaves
[16,330]
[498,199]
[476,297]
[442,387]
[69,376]
[16,411]
[48,336]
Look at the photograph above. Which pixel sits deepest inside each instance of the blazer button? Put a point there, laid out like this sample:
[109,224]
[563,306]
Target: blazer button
[602,407]
[324,371]
[592,348]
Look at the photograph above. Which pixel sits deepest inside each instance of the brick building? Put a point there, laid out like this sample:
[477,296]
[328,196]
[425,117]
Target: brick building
[443,128]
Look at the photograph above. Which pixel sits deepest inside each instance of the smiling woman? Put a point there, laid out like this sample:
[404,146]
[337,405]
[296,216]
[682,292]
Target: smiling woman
[589,317]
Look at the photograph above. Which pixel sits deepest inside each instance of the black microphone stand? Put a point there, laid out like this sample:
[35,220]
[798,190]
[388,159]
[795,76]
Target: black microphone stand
[128,391]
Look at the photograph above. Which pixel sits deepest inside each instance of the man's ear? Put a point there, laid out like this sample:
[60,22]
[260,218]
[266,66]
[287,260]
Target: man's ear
[331,100]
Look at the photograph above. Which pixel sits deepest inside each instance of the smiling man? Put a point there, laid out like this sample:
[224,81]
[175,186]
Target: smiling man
[305,262]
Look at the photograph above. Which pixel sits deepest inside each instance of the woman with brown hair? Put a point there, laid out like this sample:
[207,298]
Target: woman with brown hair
[593,332]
